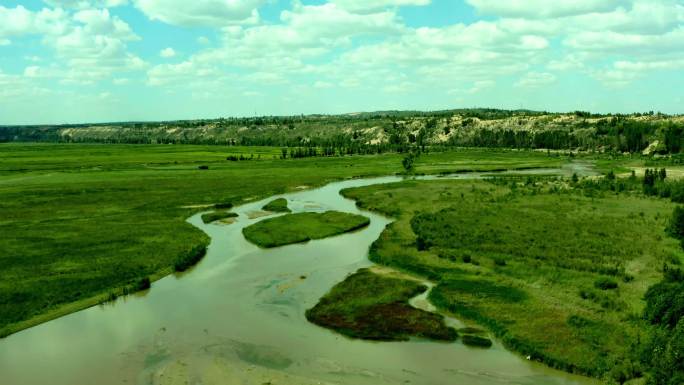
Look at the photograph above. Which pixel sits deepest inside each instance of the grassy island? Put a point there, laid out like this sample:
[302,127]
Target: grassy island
[382,314]
[277,206]
[218,216]
[302,227]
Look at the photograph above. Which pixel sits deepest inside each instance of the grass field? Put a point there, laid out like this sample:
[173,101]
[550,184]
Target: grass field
[302,227]
[554,274]
[80,222]
[381,314]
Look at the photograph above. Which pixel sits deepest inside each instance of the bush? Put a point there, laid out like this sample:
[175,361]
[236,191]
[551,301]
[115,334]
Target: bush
[676,228]
[224,205]
[203,167]
[477,341]
[499,261]
[665,303]
[143,284]
[605,283]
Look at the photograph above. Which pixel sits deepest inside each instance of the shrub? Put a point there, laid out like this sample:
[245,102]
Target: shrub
[676,228]
[499,261]
[224,205]
[477,341]
[605,283]
[203,167]
[665,303]
[143,284]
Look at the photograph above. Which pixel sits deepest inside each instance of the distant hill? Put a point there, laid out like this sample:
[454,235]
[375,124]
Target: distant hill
[387,130]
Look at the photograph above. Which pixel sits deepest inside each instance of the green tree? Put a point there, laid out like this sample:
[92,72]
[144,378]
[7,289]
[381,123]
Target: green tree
[408,162]
[677,223]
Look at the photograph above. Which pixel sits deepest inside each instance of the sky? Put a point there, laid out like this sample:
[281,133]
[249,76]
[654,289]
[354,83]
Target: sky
[76,61]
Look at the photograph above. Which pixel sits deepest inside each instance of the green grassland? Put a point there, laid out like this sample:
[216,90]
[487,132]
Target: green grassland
[277,206]
[83,223]
[302,227]
[555,274]
[381,314]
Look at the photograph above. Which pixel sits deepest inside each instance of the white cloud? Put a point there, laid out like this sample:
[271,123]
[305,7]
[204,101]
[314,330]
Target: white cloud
[89,44]
[481,85]
[305,32]
[86,4]
[32,71]
[15,88]
[203,40]
[213,13]
[95,47]
[536,79]
[539,9]
[372,5]
[121,81]
[167,52]
[19,21]
[321,84]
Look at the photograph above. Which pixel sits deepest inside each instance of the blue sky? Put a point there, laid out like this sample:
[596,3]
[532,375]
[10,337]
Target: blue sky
[69,61]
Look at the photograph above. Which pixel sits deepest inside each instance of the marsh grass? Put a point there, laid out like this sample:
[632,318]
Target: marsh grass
[302,227]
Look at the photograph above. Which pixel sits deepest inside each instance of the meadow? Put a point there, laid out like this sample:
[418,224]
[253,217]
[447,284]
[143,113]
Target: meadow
[84,223]
[555,272]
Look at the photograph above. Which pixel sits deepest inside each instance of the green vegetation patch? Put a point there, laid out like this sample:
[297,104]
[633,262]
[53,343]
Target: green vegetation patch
[552,271]
[375,307]
[277,206]
[217,216]
[302,227]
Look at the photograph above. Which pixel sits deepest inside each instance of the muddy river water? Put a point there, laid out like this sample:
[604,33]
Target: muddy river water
[238,318]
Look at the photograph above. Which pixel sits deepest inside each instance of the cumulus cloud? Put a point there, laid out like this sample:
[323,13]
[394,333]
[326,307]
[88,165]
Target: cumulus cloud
[19,21]
[85,4]
[372,5]
[90,43]
[213,13]
[536,79]
[305,32]
[544,8]
[167,52]
[361,45]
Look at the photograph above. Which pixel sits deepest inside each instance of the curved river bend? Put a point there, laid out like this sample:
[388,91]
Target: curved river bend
[238,318]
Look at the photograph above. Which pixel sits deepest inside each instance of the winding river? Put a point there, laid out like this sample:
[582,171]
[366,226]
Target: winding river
[238,318]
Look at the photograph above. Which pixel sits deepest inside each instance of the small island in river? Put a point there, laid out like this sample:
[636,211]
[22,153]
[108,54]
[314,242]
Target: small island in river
[302,227]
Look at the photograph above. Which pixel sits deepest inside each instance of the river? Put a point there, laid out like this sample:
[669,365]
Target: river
[238,318]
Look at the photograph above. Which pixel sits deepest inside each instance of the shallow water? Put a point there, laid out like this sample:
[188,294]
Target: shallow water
[238,318]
